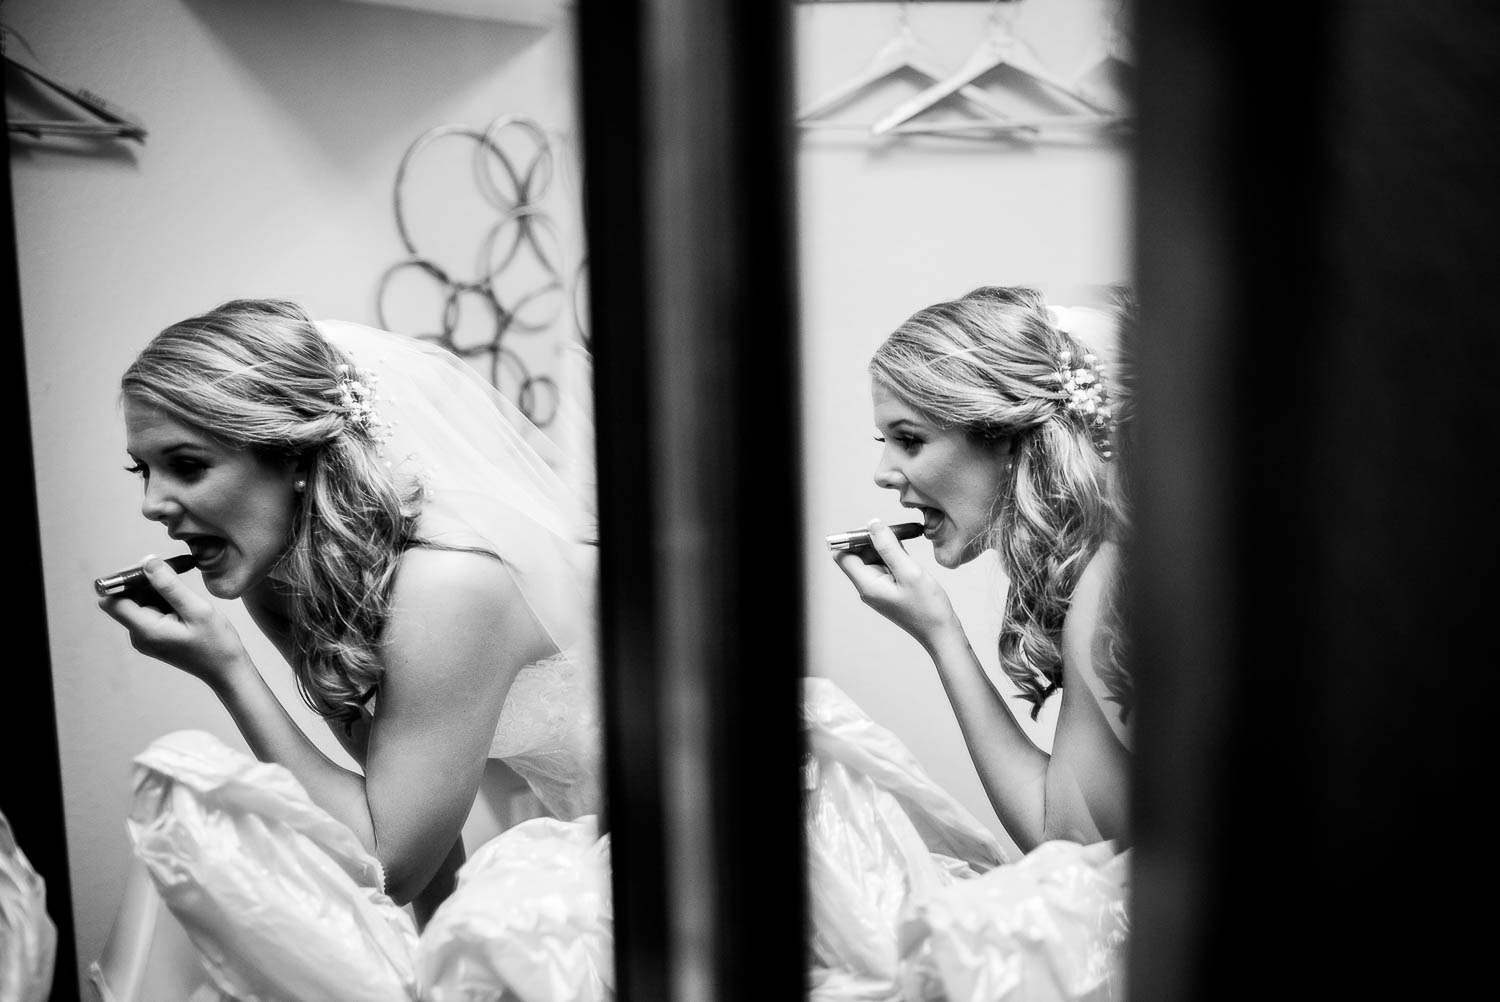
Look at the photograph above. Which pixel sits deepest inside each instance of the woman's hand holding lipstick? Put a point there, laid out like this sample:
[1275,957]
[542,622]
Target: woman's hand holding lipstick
[131,582]
[893,584]
[190,633]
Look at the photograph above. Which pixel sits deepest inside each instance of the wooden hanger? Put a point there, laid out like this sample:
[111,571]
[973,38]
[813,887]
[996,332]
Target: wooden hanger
[109,121]
[904,52]
[1001,47]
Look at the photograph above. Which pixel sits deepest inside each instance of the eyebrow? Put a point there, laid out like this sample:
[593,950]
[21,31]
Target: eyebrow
[170,450]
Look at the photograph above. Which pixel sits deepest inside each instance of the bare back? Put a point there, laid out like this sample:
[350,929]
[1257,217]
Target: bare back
[1088,777]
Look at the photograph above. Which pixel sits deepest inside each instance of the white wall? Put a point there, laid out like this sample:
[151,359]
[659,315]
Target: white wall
[887,227]
[275,133]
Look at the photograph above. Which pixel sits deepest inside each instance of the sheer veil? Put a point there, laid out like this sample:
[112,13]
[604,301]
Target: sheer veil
[481,463]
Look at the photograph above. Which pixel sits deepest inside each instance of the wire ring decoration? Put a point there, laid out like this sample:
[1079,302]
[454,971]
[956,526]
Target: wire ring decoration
[522,226]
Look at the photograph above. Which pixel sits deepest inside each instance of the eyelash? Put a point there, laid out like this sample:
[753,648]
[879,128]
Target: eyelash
[908,443]
[186,468]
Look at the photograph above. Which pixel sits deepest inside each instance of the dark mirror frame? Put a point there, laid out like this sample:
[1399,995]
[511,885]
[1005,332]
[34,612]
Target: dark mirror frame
[688,217]
[32,799]
[1318,240]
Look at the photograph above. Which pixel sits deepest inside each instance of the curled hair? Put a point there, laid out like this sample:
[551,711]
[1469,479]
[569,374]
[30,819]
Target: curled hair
[988,363]
[257,375]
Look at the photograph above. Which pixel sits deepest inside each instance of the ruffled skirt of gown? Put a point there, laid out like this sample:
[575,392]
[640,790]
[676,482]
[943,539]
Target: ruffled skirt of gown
[253,893]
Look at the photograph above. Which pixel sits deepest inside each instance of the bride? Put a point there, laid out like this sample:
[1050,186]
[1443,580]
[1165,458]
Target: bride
[1003,425]
[377,508]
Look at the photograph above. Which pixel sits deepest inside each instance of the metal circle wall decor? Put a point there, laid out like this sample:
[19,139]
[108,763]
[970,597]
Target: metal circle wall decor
[519,282]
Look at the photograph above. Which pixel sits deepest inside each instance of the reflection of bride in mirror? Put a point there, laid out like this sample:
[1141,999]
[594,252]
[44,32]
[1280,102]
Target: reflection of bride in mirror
[1005,426]
[376,507]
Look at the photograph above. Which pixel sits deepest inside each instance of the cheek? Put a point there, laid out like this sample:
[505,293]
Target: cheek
[268,513]
[980,493]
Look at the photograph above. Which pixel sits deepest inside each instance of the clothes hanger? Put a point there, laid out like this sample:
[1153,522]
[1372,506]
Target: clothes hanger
[1001,47]
[986,129]
[1112,46]
[111,121]
[904,51]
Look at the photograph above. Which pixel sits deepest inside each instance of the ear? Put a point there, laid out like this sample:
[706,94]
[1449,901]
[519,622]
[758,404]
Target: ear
[1003,456]
[297,469]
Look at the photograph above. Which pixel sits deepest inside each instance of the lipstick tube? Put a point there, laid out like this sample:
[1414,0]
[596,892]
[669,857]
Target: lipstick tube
[860,538]
[135,577]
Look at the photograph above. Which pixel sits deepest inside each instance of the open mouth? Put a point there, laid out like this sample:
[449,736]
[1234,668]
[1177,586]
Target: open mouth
[208,549]
[932,519]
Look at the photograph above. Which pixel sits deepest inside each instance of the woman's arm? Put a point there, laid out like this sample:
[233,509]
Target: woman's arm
[1012,769]
[1079,791]
[460,630]
[457,634]
[355,740]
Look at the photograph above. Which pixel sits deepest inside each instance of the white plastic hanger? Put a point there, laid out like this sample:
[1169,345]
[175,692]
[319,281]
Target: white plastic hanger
[903,52]
[110,120]
[1001,47]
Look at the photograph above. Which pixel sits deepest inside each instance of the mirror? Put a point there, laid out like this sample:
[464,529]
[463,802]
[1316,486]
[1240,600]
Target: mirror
[889,226]
[912,193]
[289,151]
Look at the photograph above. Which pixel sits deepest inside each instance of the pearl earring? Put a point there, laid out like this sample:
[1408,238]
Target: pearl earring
[300,484]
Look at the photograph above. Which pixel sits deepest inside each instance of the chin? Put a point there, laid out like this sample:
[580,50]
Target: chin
[219,588]
[227,586]
[952,556]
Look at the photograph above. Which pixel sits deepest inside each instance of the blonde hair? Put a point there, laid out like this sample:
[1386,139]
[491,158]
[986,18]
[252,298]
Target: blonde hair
[989,363]
[257,375]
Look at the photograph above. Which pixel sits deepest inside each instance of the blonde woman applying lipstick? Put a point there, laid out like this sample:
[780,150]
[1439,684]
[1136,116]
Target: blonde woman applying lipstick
[380,511]
[1002,421]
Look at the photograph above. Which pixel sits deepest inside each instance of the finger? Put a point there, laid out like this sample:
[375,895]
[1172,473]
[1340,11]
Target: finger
[168,585]
[864,575]
[864,554]
[892,553]
[859,563]
[129,613]
[119,608]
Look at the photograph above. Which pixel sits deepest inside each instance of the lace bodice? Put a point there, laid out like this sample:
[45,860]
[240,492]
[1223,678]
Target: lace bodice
[550,732]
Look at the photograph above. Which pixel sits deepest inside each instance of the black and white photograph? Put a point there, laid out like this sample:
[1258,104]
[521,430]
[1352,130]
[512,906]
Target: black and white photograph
[733,500]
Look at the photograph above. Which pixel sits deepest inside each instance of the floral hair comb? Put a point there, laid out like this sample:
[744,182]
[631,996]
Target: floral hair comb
[1088,398]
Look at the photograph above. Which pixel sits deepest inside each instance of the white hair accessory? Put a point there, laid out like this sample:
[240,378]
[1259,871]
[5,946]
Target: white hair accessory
[1086,394]
[357,394]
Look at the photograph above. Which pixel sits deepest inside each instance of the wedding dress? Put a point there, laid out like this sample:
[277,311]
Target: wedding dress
[911,898]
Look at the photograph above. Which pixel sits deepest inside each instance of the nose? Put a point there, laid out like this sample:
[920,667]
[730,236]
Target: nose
[158,504]
[888,474]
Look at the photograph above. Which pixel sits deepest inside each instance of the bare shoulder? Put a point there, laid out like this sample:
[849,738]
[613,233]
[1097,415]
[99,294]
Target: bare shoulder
[458,596]
[429,575]
[1094,640]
